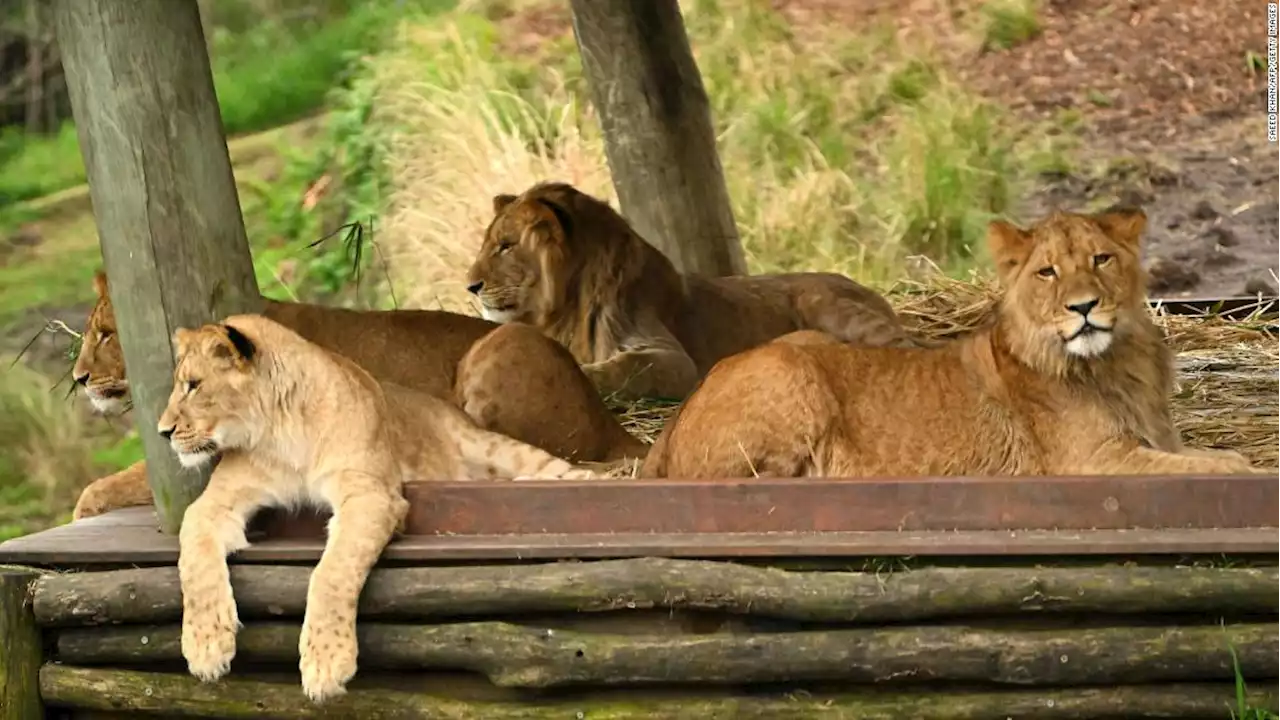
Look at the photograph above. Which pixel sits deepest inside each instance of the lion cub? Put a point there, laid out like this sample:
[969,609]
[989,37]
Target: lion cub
[1071,378]
[294,423]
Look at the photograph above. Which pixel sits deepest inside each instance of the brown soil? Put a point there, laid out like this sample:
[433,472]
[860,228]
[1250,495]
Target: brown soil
[1171,110]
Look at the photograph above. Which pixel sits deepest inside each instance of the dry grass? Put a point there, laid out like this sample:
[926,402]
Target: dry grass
[844,152]
[1228,370]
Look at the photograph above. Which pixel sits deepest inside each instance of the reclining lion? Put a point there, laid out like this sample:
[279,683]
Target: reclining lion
[1071,378]
[509,379]
[569,264]
[293,424]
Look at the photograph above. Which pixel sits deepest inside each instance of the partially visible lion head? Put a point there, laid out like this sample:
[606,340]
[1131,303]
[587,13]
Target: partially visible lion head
[99,367]
[1074,284]
[520,269]
[553,241]
[214,404]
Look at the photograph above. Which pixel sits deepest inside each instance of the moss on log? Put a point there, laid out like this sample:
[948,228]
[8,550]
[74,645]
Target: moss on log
[246,698]
[21,650]
[152,595]
[520,656]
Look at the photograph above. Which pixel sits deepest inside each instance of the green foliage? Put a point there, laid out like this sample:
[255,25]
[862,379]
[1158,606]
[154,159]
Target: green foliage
[267,71]
[351,159]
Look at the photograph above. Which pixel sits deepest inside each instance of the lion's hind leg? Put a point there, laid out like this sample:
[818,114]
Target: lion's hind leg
[367,511]
[1137,460]
[767,412]
[127,488]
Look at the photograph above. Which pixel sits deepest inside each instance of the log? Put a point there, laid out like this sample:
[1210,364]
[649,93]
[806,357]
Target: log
[152,595]
[236,697]
[528,657]
[164,198]
[22,648]
[658,135]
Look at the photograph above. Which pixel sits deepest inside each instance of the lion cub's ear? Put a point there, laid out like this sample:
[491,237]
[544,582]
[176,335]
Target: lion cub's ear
[1123,224]
[100,283]
[182,340]
[1009,246]
[501,201]
[238,348]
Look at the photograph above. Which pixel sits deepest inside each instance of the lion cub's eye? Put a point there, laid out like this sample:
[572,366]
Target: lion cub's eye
[192,385]
[504,246]
[1047,272]
[1101,259]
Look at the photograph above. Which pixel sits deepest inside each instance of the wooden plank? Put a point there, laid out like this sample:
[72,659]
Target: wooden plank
[658,134]
[248,697]
[23,650]
[164,198]
[153,595]
[127,536]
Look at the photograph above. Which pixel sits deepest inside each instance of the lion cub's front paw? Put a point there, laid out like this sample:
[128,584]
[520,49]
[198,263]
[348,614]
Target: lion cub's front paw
[209,627]
[328,660]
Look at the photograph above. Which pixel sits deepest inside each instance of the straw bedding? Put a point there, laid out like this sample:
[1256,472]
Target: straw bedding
[1226,394]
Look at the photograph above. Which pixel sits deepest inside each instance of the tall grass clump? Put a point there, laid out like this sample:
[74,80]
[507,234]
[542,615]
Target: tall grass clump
[46,450]
[846,150]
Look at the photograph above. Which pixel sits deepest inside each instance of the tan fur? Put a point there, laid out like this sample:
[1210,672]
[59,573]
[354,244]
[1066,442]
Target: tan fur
[569,264]
[516,382]
[293,423]
[1024,395]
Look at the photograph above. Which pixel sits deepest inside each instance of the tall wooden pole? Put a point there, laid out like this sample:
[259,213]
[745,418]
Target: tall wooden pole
[164,198]
[23,650]
[658,134]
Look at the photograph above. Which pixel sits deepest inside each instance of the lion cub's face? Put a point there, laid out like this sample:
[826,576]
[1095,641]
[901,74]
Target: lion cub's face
[1073,282]
[212,405]
[99,367]
[515,274]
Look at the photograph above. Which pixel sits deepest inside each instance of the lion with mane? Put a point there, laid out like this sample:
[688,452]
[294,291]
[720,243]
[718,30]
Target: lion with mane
[1072,377]
[567,263]
[508,378]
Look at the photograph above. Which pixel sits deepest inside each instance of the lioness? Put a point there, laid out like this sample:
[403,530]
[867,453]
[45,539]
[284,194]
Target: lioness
[569,264]
[509,378]
[294,423]
[1071,378]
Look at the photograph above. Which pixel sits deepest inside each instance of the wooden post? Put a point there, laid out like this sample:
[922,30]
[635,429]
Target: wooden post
[658,134]
[164,198]
[22,649]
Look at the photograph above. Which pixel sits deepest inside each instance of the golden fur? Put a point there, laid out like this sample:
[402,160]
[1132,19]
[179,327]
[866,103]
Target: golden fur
[509,378]
[1071,377]
[569,264]
[292,424]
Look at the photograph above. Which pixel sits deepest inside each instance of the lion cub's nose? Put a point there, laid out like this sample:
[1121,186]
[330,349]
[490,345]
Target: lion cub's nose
[81,379]
[1084,308]
[474,288]
[166,433]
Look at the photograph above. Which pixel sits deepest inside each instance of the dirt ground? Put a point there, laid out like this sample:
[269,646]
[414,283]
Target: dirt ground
[1170,98]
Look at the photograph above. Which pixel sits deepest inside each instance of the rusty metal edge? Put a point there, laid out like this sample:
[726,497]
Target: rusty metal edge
[822,505]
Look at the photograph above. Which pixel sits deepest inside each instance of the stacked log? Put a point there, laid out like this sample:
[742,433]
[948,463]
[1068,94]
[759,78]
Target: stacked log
[659,638]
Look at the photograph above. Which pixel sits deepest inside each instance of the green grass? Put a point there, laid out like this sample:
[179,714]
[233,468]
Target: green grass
[846,150]
[270,74]
[1009,23]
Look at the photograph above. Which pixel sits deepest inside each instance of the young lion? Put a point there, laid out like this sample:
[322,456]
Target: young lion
[508,378]
[294,423]
[1072,377]
[569,264]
